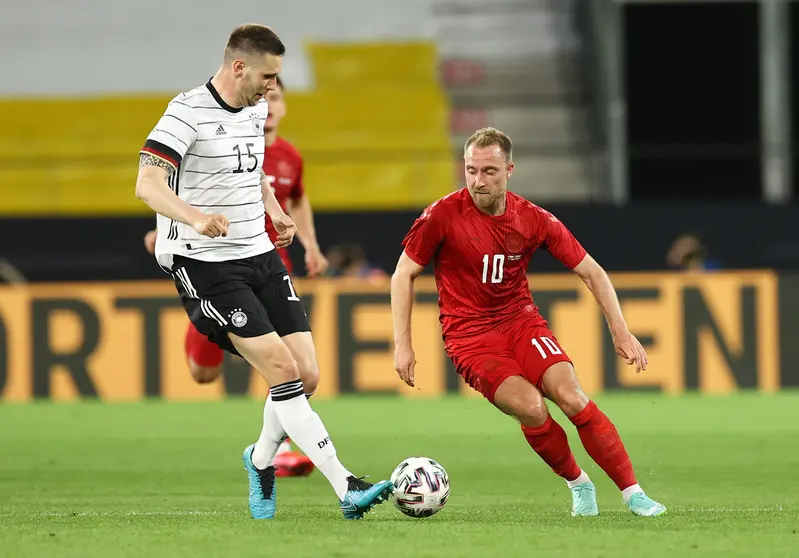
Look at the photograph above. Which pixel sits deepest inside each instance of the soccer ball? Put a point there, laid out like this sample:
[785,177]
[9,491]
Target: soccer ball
[421,487]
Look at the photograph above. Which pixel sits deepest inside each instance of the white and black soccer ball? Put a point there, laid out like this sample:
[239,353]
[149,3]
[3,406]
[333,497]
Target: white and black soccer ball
[421,487]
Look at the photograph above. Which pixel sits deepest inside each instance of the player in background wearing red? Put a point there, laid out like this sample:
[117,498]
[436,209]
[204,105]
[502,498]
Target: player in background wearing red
[480,239]
[283,168]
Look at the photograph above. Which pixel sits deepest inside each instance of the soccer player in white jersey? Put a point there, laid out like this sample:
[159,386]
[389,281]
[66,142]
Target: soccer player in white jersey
[201,171]
[283,166]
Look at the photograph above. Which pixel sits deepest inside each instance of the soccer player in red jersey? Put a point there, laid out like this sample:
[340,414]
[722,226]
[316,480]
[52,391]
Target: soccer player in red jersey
[283,168]
[480,239]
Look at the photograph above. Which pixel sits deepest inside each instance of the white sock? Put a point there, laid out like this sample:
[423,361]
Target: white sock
[272,434]
[579,480]
[306,430]
[629,491]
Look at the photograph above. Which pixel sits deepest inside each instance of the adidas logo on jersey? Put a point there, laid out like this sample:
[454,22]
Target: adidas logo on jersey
[220,131]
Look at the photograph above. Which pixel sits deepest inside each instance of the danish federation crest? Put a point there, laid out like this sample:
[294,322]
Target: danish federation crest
[515,242]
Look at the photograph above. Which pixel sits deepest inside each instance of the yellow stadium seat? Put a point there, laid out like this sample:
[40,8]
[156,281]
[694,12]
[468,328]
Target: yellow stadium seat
[70,189]
[384,109]
[379,185]
[405,65]
[84,162]
[27,190]
[374,135]
[83,127]
[108,189]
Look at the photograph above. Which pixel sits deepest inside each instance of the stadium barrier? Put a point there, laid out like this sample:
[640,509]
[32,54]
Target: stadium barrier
[714,333]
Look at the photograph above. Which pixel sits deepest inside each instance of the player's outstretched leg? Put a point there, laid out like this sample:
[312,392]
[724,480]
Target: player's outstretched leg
[599,436]
[361,496]
[521,399]
[273,448]
[270,356]
[289,463]
[603,443]
[263,487]
[262,462]
[259,461]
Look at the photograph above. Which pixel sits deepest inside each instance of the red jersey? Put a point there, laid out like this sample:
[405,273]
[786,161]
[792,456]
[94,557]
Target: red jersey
[283,169]
[480,261]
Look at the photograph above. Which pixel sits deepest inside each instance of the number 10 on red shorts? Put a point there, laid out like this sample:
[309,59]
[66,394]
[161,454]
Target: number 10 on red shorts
[524,348]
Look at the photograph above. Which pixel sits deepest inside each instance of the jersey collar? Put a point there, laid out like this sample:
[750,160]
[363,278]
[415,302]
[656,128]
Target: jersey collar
[218,98]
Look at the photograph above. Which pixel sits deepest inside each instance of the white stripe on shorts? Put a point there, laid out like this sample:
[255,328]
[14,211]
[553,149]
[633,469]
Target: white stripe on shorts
[207,308]
[184,279]
[211,312]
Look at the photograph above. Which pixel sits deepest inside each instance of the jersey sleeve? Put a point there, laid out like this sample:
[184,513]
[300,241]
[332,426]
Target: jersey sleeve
[559,241]
[425,236]
[175,132]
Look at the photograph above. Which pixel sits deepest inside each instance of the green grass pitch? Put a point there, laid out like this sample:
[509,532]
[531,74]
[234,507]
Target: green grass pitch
[166,479]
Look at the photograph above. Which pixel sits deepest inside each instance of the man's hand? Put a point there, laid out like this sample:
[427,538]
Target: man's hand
[315,262]
[213,225]
[149,241]
[286,229]
[405,363]
[630,349]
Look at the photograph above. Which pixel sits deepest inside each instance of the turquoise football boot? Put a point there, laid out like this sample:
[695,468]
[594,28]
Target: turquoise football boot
[263,487]
[643,505]
[584,500]
[362,496]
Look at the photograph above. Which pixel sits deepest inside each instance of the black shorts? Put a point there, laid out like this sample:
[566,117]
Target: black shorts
[248,297]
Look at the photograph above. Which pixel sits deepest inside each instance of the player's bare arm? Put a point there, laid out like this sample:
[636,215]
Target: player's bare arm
[152,189]
[600,285]
[402,280]
[149,241]
[302,213]
[303,216]
[284,226]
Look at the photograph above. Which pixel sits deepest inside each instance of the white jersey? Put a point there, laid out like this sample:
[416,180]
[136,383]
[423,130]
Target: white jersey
[218,153]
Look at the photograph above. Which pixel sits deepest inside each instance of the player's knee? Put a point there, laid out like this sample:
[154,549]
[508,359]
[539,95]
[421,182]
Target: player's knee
[204,374]
[269,356]
[521,399]
[533,412]
[562,387]
[302,348]
[309,372]
[282,366]
[571,399]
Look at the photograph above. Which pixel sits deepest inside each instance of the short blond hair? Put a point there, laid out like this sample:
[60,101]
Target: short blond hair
[486,137]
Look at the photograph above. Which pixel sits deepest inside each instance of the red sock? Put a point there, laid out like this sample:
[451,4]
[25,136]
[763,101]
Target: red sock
[602,442]
[201,350]
[551,444]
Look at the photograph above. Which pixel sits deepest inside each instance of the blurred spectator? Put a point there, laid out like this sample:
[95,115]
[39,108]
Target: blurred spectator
[689,253]
[349,260]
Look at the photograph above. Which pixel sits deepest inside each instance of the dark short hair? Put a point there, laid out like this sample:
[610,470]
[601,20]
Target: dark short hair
[252,38]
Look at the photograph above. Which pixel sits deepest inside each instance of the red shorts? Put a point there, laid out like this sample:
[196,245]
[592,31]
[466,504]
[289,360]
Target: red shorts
[201,350]
[525,348]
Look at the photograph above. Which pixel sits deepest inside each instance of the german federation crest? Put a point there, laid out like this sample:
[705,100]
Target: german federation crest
[238,318]
[257,125]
